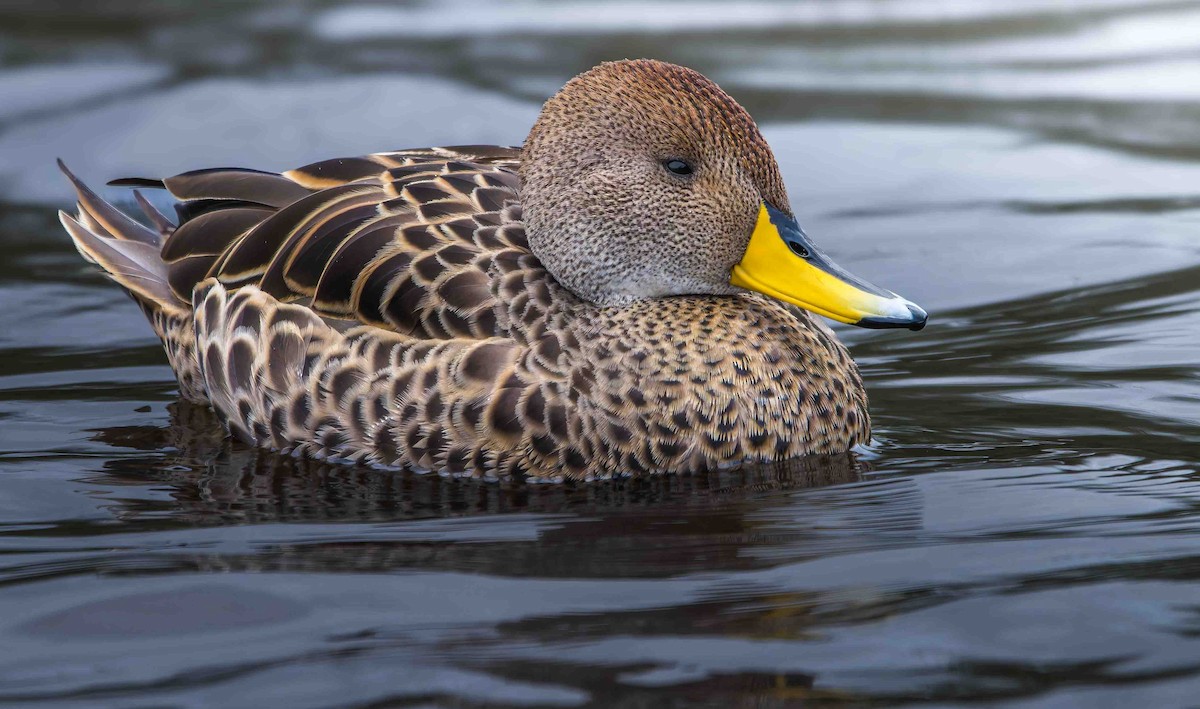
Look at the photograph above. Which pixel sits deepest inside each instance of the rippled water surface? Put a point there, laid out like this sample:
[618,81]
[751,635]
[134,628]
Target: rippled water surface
[1024,531]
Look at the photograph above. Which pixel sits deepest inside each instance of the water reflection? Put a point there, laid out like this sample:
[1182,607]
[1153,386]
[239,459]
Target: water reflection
[1051,367]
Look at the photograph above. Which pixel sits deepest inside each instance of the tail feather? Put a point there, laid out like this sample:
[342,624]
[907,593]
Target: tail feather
[160,221]
[129,252]
[133,264]
[96,212]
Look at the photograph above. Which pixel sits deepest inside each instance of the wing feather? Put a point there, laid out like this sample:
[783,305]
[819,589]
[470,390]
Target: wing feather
[265,188]
[406,241]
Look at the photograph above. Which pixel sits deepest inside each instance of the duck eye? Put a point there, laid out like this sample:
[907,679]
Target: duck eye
[677,166]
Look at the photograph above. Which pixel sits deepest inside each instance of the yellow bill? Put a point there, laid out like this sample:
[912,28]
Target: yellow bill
[783,263]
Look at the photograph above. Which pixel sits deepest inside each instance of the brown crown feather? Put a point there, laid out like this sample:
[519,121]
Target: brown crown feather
[613,95]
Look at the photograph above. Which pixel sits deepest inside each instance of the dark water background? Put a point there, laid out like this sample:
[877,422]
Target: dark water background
[1025,532]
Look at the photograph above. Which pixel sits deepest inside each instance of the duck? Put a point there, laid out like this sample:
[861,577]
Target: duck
[626,293]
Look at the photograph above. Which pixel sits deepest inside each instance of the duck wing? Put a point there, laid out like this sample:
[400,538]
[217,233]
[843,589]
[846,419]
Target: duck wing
[410,241]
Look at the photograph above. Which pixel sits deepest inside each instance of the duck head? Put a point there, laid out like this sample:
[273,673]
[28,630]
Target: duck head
[642,179]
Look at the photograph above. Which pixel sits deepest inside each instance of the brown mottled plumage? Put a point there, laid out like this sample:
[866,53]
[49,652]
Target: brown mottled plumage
[558,310]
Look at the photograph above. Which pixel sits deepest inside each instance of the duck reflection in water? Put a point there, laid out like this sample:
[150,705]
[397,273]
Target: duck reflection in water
[216,481]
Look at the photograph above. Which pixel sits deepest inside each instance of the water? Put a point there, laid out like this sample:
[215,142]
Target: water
[1024,532]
